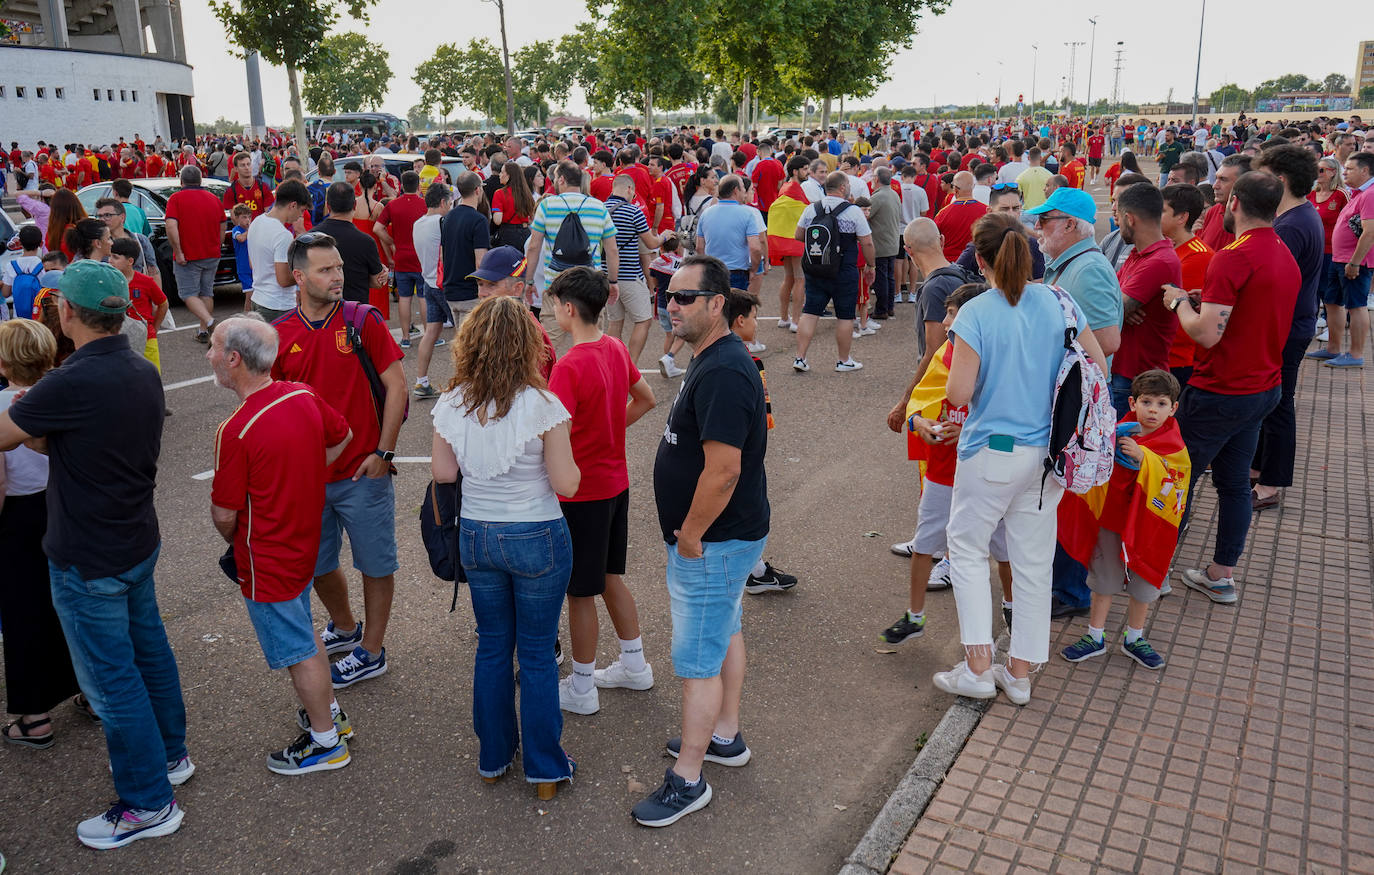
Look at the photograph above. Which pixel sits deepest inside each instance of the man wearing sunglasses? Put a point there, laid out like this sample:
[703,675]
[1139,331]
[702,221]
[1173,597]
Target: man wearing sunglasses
[712,498]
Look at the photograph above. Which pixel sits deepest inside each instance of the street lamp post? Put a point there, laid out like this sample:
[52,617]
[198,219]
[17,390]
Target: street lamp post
[1092,51]
[1035,63]
[1197,76]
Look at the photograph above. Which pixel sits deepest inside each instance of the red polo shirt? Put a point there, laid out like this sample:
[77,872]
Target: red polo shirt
[955,222]
[767,178]
[200,222]
[1213,233]
[1145,345]
[1258,279]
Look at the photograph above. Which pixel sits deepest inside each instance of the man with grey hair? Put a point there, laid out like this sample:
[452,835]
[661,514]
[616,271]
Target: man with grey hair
[885,221]
[267,501]
[195,230]
[734,232]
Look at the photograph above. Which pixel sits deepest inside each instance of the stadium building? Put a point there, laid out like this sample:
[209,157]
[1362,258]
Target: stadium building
[93,70]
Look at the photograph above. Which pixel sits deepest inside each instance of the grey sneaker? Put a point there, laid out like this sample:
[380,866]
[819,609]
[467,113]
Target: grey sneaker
[672,801]
[425,390]
[121,825]
[1223,591]
[736,753]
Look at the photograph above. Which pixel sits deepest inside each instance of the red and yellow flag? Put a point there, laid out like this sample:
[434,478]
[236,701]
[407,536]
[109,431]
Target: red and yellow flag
[783,216]
[1145,507]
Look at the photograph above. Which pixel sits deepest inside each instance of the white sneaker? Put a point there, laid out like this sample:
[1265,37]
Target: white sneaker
[866,331]
[960,681]
[668,368]
[800,365]
[783,323]
[939,576]
[755,347]
[849,365]
[792,327]
[617,675]
[1017,689]
[904,549]
[873,325]
[1324,335]
[578,703]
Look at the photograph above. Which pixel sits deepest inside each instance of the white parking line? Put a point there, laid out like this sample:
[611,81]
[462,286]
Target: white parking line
[184,383]
[402,460]
[179,328]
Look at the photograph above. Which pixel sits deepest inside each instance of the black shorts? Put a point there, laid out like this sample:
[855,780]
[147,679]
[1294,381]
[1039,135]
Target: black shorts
[842,291]
[600,532]
[1094,162]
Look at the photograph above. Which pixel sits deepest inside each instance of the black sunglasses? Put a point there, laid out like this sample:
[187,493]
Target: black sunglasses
[685,299]
[1003,186]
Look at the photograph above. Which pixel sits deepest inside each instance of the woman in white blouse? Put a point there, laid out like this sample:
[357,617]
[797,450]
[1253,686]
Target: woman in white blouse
[499,425]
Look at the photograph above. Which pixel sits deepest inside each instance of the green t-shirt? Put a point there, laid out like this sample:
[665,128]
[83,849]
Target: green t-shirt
[1168,156]
[135,220]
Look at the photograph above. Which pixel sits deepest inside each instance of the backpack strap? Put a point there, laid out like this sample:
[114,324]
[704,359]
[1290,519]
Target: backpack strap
[37,269]
[1070,316]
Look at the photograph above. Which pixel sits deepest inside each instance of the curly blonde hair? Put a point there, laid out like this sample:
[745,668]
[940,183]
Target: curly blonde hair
[27,350]
[498,352]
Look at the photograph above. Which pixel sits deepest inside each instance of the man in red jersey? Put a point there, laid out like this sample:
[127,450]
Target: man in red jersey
[1214,231]
[1096,146]
[1183,206]
[245,189]
[956,219]
[1240,326]
[767,177]
[320,347]
[267,497]
[1070,167]
[195,230]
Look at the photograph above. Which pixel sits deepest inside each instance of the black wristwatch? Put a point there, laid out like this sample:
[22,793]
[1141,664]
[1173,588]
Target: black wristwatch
[387,455]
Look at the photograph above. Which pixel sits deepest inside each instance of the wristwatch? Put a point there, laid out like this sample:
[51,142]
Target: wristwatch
[1173,307]
[387,455]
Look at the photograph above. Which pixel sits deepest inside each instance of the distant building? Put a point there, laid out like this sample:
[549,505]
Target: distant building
[1364,69]
[563,121]
[1159,110]
[92,71]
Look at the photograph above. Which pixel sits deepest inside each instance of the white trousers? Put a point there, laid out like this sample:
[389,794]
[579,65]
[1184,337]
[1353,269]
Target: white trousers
[989,487]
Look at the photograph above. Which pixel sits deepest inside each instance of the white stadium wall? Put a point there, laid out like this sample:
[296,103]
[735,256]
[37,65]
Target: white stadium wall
[51,94]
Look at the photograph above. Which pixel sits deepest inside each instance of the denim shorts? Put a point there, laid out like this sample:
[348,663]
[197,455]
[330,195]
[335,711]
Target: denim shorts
[739,279]
[665,321]
[196,279]
[1348,293]
[285,631]
[366,509]
[706,598]
[409,283]
[436,305]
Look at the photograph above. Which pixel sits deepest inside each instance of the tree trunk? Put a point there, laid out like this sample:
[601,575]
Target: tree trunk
[742,117]
[505,57]
[825,114]
[297,114]
[648,112]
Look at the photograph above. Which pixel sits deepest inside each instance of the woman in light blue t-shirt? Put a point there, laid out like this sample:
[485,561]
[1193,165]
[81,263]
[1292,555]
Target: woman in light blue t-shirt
[1008,346]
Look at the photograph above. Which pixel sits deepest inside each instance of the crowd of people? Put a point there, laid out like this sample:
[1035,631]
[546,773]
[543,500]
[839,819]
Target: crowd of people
[1194,313]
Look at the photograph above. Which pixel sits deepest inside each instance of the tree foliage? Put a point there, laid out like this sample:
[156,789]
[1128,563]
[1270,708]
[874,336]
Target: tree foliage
[471,76]
[419,118]
[1367,96]
[1230,96]
[633,31]
[351,74]
[1336,83]
[1286,82]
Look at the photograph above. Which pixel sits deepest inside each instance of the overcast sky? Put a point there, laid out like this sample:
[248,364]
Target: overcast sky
[1241,44]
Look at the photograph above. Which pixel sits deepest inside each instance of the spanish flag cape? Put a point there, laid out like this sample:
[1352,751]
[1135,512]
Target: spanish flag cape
[1144,507]
[928,400]
[783,216]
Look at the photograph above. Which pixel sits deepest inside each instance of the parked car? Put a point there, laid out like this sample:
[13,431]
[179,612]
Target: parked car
[151,196]
[782,135]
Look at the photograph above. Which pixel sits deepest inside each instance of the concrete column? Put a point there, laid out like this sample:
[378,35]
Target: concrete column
[178,35]
[130,24]
[158,14]
[256,118]
[53,15]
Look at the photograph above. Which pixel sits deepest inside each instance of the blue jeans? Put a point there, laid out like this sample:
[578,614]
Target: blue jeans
[409,284]
[126,669]
[1222,431]
[1121,395]
[1069,580]
[518,575]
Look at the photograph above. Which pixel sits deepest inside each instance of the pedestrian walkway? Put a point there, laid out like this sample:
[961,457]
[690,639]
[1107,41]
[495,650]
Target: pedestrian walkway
[1249,751]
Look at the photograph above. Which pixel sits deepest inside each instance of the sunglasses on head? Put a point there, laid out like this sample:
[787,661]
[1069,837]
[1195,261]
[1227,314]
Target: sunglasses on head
[1003,186]
[685,299]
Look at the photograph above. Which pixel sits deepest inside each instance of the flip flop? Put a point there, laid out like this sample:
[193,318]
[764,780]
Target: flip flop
[27,739]
[84,705]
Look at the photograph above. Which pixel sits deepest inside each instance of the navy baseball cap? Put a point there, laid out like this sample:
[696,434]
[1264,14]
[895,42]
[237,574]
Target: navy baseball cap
[500,263]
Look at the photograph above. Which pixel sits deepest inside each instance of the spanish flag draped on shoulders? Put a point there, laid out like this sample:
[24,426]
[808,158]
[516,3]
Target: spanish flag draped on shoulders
[928,401]
[1145,507]
[783,216]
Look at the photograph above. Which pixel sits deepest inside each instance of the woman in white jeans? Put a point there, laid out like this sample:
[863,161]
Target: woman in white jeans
[1008,345]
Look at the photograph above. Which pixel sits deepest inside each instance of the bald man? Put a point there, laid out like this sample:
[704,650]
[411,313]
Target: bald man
[956,220]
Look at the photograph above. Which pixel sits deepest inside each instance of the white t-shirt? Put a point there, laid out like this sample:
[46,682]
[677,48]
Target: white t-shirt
[1010,171]
[425,235]
[857,187]
[11,269]
[26,471]
[814,190]
[981,193]
[268,240]
[915,202]
[851,221]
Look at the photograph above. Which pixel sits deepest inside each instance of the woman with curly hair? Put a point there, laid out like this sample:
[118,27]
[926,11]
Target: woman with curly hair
[500,428]
[66,211]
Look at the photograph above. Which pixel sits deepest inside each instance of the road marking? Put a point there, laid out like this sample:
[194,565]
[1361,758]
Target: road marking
[178,328]
[184,383]
[403,460]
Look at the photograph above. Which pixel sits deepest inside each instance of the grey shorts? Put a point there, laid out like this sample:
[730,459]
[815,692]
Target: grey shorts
[196,279]
[1107,574]
[635,302]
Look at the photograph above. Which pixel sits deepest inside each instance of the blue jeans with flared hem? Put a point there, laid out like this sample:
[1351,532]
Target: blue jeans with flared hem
[128,673]
[518,576]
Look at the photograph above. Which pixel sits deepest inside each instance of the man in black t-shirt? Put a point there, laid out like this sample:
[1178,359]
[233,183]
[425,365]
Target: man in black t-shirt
[712,498]
[362,266]
[101,415]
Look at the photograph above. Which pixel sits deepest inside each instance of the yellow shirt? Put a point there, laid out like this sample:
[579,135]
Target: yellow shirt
[428,174]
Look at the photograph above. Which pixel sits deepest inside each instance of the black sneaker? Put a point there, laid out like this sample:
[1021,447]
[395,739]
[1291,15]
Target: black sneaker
[1006,617]
[736,753]
[772,579]
[903,630]
[672,801]
[557,652]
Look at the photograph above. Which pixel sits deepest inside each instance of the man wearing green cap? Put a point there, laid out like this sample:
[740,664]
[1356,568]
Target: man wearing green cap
[100,416]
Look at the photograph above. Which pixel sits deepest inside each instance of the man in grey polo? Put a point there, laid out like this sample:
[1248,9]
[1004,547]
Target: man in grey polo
[1074,263]
[885,220]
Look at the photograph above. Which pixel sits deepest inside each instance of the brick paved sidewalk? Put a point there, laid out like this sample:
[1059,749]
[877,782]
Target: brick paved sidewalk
[1252,749]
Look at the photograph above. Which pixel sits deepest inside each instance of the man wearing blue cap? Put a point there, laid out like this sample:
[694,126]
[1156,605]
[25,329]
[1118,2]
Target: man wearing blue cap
[100,418]
[503,272]
[1075,264]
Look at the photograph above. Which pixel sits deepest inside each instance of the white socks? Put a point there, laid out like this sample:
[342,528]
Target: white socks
[334,708]
[1097,633]
[915,616]
[1133,635]
[422,381]
[583,676]
[760,569]
[326,739]
[632,655]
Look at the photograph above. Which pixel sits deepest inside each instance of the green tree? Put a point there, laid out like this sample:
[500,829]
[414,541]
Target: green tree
[1336,83]
[1229,97]
[577,57]
[471,77]
[634,32]
[1367,96]
[419,118]
[541,73]
[287,33]
[1286,82]
[856,52]
[751,61]
[352,75]
[724,105]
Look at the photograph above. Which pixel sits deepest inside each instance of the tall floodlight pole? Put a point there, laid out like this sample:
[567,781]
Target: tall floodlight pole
[1073,55]
[1116,82]
[1035,63]
[1092,52]
[1197,76]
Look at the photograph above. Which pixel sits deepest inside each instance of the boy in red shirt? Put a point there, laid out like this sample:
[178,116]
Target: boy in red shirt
[147,303]
[933,428]
[592,379]
[1096,145]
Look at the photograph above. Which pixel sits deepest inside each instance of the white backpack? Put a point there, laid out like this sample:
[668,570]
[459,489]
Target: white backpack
[1083,422]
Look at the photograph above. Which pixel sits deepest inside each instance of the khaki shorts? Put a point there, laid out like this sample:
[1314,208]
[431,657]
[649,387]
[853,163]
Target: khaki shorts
[635,303]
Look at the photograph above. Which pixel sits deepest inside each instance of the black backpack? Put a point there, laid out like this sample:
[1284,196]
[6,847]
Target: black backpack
[822,252]
[571,245]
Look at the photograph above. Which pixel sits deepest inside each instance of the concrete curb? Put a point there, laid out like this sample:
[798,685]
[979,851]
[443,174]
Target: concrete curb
[883,841]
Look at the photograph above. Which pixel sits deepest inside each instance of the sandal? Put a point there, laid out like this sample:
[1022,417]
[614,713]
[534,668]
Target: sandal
[27,738]
[84,705]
